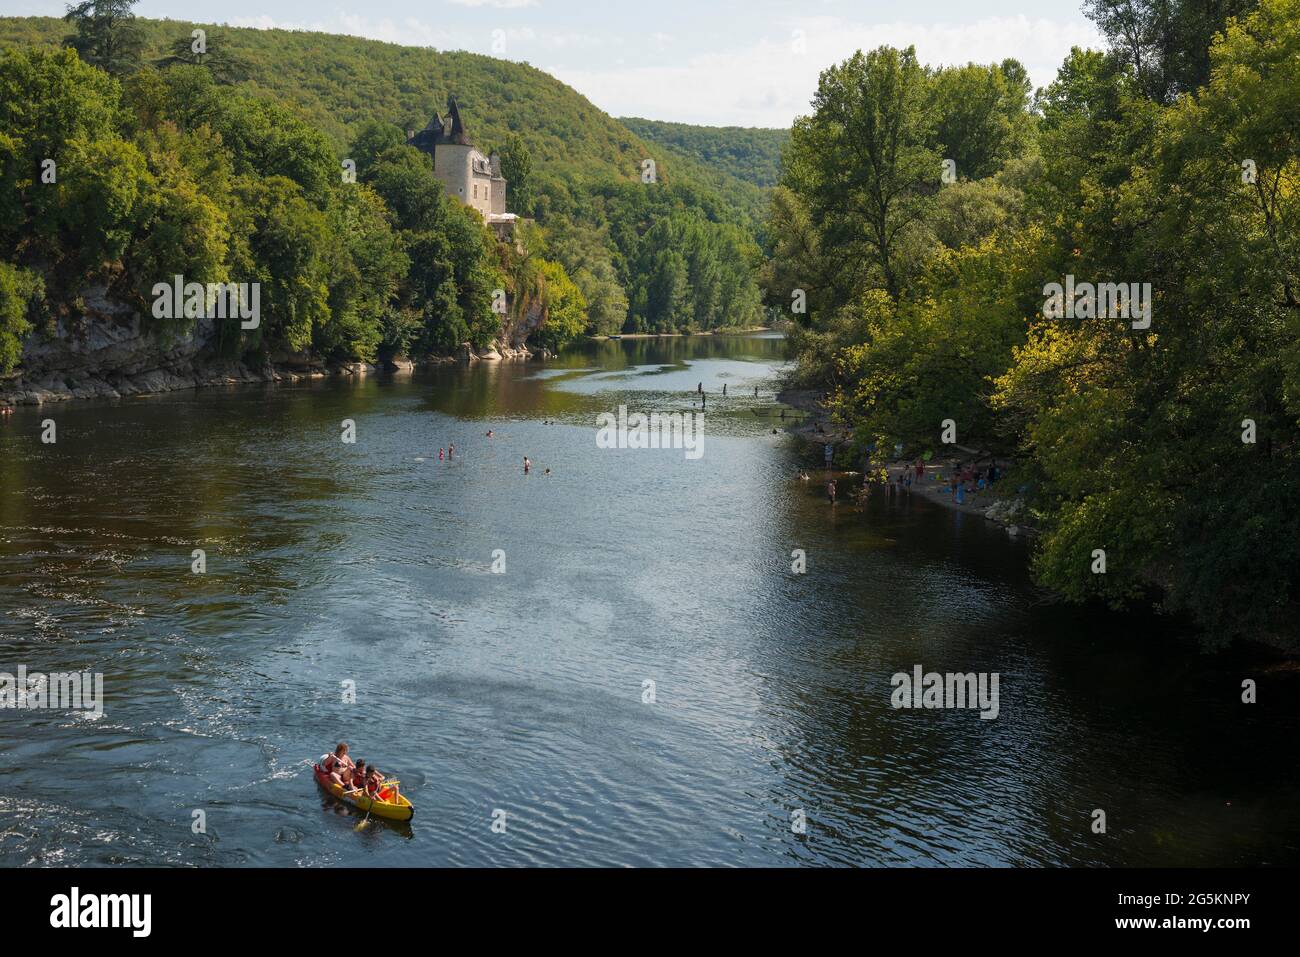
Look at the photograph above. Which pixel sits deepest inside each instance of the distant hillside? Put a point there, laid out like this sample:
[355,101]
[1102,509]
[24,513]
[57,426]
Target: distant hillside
[240,157]
[338,82]
[749,154]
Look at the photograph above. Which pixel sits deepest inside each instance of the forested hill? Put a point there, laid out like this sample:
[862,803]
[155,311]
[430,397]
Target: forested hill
[747,153]
[340,82]
[229,163]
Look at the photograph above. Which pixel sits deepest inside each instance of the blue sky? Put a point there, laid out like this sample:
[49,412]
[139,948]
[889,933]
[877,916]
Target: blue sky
[719,62]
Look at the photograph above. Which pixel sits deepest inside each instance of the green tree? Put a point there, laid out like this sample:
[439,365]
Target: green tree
[107,35]
[863,162]
[585,255]
[796,277]
[564,310]
[366,266]
[1165,43]
[371,141]
[210,51]
[19,289]
[404,178]
[1136,438]
[517,168]
[290,253]
[51,105]
[981,115]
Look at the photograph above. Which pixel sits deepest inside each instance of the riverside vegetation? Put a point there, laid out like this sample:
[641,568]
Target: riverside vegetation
[126,158]
[1173,159]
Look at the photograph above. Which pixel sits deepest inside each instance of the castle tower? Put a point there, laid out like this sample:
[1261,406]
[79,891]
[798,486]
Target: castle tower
[466,173]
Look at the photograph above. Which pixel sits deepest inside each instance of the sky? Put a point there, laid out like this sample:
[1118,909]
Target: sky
[713,62]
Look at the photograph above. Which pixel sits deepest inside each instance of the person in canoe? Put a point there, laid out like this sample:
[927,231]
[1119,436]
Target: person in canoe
[347,778]
[338,765]
[380,788]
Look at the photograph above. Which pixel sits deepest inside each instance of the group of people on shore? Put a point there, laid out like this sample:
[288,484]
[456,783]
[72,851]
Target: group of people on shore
[970,480]
[354,776]
[965,481]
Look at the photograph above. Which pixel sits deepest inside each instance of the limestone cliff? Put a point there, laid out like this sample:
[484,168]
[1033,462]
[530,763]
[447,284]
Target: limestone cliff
[109,353]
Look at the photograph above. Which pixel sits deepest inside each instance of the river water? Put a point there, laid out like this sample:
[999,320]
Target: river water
[334,567]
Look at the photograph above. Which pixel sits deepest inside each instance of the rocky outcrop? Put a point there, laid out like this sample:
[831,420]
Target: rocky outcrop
[1004,511]
[512,342]
[500,349]
[1011,514]
[108,353]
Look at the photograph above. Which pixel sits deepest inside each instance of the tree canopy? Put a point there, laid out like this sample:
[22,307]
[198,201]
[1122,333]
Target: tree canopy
[1170,159]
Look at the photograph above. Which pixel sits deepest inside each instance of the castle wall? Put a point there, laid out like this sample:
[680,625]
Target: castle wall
[455,166]
[451,164]
[480,196]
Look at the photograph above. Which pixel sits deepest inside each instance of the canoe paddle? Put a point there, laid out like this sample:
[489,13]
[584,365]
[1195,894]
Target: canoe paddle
[366,820]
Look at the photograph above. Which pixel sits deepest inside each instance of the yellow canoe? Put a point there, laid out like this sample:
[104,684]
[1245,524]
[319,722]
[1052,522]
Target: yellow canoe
[398,810]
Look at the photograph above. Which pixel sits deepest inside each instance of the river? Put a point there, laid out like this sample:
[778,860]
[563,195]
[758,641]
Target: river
[367,568]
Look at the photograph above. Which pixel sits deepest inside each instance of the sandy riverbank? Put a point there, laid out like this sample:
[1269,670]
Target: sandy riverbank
[995,504]
[998,503]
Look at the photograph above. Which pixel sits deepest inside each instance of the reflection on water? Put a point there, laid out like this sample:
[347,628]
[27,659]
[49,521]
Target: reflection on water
[369,566]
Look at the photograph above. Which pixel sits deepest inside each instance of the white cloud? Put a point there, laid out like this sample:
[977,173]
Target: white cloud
[769,83]
[499,4]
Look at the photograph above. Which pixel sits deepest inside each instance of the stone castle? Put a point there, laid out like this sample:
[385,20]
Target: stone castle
[467,174]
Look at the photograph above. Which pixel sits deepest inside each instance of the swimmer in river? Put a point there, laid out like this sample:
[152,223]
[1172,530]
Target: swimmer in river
[547,472]
[451,451]
[440,455]
[528,466]
[489,433]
